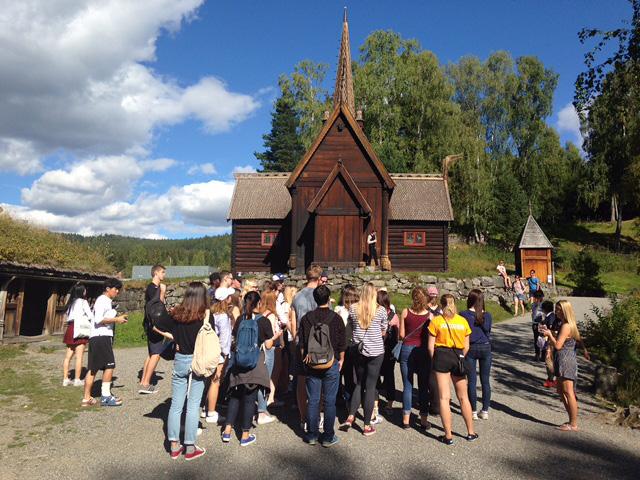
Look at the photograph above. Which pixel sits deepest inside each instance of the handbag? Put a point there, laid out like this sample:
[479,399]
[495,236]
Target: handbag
[82,326]
[462,366]
[397,350]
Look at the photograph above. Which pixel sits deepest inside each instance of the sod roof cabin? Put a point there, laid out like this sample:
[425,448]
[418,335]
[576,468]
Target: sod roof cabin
[37,270]
[338,193]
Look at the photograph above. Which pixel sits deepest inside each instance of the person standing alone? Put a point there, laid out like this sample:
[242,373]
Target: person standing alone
[155,342]
[372,240]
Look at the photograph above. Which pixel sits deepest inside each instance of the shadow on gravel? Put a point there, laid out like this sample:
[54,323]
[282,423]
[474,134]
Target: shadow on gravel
[575,456]
[514,413]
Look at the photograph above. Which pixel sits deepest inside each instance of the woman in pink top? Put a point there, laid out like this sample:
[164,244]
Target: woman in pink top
[413,357]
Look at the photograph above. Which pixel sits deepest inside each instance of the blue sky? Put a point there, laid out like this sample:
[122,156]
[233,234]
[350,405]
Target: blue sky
[138,124]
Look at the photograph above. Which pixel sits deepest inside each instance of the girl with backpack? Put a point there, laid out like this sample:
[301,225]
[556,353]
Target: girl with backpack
[78,312]
[479,351]
[267,309]
[368,322]
[413,356]
[222,325]
[184,325]
[248,371]
[448,345]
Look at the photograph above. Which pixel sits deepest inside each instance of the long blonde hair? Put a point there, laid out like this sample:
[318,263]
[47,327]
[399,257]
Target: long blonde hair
[448,304]
[570,318]
[367,305]
[289,293]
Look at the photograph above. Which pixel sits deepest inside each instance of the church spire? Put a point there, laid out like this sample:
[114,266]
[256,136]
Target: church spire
[343,93]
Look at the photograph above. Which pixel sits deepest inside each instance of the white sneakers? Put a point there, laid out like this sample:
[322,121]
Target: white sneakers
[66,382]
[481,414]
[212,417]
[76,383]
[264,418]
[475,415]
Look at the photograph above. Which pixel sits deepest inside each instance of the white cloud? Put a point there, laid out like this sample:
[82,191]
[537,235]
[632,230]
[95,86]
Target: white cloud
[158,164]
[203,168]
[569,122]
[203,203]
[72,80]
[244,169]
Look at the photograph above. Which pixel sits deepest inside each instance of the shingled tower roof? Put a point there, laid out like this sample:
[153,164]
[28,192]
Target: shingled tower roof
[533,236]
[343,93]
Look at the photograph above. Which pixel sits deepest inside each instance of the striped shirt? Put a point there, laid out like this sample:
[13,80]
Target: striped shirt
[371,338]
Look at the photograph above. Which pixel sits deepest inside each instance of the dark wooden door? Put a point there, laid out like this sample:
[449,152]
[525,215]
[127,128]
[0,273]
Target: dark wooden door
[338,240]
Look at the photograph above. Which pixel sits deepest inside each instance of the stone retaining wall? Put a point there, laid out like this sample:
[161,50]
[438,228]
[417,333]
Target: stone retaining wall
[493,287]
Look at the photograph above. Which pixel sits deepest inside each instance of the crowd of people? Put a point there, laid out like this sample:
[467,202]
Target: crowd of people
[257,348]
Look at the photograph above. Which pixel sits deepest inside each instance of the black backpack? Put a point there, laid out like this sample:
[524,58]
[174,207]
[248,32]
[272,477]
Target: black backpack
[319,349]
[155,313]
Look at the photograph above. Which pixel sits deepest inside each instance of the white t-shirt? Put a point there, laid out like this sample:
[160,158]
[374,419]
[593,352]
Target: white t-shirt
[102,309]
[501,270]
[283,309]
[79,310]
[343,312]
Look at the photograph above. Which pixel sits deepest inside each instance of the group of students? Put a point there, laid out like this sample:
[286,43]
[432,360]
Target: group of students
[277,343]
[520,287]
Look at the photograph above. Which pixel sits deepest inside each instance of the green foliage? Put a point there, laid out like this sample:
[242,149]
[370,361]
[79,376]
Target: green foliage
[130,334]
[615,338]
[585,273]
[125,252]
[510,208]
[23,243]
[283,145]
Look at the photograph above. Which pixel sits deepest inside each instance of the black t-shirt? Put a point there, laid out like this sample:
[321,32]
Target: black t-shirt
[150,293]
[184,334]
[265,331]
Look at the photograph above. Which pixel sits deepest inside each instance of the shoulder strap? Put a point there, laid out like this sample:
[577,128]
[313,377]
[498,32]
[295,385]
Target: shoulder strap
[421,325]
[206,317]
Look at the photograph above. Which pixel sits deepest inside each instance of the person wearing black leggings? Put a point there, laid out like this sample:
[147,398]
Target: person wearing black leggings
[369,323]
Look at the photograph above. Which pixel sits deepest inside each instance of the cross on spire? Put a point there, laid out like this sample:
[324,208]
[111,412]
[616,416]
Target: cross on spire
[343,93]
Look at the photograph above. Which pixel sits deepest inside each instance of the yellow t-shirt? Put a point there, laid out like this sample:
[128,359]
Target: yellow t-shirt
[459,329]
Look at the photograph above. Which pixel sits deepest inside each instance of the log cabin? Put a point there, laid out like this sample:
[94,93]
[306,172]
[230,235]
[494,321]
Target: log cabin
[339,192]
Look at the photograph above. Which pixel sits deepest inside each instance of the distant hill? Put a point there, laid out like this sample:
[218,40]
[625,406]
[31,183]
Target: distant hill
[26,244]
[124,252]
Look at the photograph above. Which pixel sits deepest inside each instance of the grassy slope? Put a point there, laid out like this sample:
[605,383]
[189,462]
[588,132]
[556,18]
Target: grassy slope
[23,243]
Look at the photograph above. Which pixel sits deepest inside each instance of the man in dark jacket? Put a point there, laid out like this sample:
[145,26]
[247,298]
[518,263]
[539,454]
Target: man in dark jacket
[323,381]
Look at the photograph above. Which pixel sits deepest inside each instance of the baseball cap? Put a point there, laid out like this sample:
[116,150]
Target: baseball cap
[279,277]
[222,293]
[432,291]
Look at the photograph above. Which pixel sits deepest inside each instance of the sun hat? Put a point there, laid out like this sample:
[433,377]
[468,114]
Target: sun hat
[432,291]
[222,293]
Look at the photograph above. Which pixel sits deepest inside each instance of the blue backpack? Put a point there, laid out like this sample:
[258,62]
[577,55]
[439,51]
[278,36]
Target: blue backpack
[247,350]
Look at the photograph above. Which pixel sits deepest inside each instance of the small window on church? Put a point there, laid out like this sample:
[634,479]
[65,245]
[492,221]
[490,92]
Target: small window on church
[415,239]
[268,238]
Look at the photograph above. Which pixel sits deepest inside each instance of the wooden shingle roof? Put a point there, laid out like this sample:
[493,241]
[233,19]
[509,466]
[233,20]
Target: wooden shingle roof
[415,197]
[533,236]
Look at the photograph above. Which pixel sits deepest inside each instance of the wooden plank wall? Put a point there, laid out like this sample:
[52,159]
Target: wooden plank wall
[433,257]
[249,256]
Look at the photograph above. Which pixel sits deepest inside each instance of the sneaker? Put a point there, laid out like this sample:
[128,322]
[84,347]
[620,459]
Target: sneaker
[310,439]
[265,418]
[484,415]
[303,427]
[330,442]
[78,383]
[197,452]
[66,382]
[203,413]
[376,420]
[148,390]
[248,441]
[199,432]
[212,417]
[175,454]
[369,430]
[475,415]
[110,401]
[226,437]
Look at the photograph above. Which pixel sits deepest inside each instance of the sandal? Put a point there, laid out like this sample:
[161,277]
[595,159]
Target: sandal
[445,440]
[88,403]
[471,437]
[565,427]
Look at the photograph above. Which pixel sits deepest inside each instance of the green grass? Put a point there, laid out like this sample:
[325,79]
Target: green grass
[26,387]
[130,334]
[476,260]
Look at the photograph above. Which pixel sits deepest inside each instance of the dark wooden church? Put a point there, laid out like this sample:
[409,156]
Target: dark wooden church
[338,193]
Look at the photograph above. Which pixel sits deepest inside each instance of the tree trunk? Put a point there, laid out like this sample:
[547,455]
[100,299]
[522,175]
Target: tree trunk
[618,227]
[614,208]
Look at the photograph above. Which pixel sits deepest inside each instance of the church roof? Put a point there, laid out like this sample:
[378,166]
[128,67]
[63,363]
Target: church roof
[417,197]
[533,236]
[343,92]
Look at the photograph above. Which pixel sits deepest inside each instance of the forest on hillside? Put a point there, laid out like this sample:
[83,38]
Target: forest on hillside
[125,252]
[495,113]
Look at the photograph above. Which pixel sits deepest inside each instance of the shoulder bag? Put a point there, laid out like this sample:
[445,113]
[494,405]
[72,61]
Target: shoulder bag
[397,350]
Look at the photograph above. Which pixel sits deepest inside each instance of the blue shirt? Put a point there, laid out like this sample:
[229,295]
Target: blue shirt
[534,284]
[479,334]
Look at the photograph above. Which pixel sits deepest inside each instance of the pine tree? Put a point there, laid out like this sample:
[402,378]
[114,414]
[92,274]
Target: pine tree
[283,145]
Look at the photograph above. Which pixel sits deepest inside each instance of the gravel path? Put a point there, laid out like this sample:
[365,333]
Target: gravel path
[518,441]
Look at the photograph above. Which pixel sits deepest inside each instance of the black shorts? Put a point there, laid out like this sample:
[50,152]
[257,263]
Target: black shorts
[156,348]
[446,360]
[101,354]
